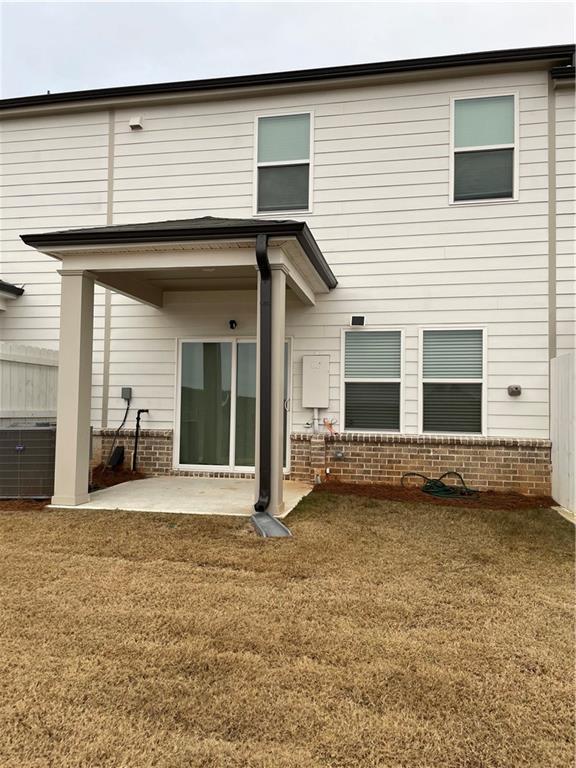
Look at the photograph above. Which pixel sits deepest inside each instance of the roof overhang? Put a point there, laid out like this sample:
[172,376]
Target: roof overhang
[325,77]
[8,292]
[144,261]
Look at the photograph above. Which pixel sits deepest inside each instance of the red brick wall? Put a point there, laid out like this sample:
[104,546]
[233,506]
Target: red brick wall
[486,463]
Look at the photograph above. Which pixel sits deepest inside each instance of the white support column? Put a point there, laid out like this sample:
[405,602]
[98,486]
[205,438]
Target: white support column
[277,422]
[74,390]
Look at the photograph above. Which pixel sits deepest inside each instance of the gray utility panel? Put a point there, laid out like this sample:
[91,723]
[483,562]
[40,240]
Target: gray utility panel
[27,462]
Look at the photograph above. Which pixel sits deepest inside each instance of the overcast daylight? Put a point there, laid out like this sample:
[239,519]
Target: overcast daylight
[78,45]
[287,384]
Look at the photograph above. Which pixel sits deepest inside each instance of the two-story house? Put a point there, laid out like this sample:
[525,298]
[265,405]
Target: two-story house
[354,271]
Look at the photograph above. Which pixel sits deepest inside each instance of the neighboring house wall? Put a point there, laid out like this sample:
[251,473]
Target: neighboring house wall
[403,256]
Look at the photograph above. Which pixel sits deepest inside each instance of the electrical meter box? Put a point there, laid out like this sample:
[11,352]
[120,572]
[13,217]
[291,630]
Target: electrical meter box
[316,381]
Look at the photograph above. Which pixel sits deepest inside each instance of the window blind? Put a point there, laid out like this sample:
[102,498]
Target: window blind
[452,354]
[373,355]
[372,405]
[452,407]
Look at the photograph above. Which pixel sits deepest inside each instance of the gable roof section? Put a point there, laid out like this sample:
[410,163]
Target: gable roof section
[189,230]
[561,55]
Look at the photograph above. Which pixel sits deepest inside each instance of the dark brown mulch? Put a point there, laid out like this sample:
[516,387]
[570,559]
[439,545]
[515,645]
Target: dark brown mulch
[17,505]
[104,477]
[484,500]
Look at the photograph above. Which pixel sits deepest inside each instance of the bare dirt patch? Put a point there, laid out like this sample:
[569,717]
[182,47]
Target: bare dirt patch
[384,635]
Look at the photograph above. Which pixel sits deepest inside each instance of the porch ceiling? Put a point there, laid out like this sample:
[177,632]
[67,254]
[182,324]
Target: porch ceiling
[145,260]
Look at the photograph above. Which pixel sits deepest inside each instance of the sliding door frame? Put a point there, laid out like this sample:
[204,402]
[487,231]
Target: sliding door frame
[230,467]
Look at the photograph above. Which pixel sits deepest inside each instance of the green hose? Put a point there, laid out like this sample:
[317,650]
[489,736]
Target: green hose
[441,490]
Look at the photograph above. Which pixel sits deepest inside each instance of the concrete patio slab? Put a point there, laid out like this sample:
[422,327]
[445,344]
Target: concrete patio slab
[189,496]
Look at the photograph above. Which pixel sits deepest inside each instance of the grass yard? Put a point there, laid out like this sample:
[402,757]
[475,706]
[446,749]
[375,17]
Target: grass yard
[385,634]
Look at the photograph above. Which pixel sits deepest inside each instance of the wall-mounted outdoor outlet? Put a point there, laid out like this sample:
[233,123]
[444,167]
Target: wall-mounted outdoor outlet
[127,394]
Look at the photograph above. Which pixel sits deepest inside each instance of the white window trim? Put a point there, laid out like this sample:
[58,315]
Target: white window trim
[343,380]
[483,380]
[515,146]
[230,467]
[257,165]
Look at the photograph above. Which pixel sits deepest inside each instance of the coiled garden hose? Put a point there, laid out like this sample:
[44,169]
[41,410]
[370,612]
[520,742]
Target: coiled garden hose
[435,487]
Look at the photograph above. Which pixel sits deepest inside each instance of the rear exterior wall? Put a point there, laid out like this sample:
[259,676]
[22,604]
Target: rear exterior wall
[403,256]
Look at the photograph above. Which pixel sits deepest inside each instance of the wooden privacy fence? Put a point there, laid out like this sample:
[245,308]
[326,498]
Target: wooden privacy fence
[563,429]
[28,381]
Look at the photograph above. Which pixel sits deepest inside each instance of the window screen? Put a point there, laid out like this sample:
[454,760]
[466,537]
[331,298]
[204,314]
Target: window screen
[452,376]
[484,146]
[283,163]
[372,380]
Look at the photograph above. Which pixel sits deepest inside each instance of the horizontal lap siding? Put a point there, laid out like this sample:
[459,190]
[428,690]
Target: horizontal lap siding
[566,231]
[53,175]
[402,255]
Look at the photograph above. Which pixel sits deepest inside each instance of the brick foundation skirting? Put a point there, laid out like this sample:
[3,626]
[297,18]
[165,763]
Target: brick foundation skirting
[486,463]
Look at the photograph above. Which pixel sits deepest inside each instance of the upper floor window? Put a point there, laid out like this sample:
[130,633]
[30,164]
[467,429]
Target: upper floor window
[283,163]
[484,137]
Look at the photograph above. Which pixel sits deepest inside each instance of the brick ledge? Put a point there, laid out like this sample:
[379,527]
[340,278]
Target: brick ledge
[368,437]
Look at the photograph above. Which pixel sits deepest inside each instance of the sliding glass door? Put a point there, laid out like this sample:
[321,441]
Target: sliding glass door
[217,419]
[205,403]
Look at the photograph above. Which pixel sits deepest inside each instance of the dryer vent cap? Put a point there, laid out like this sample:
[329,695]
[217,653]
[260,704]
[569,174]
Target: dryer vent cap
[358,320]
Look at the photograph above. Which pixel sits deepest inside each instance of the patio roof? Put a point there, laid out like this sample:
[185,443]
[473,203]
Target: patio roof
[180,231]
[146,260]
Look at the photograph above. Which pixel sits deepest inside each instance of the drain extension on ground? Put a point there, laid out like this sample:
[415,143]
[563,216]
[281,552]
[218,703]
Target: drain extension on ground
[435,487]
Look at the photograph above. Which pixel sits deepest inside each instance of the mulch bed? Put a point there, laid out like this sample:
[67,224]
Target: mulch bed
[485,499]
[18,505]
[104,477]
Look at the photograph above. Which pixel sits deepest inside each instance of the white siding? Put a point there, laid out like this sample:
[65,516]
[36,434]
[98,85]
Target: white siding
[53,175]
[402,255]
[566,231]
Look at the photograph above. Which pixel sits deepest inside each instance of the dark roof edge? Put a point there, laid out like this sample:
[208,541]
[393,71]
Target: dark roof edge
[505,56]
[11,289]
[102,236]
[563,73]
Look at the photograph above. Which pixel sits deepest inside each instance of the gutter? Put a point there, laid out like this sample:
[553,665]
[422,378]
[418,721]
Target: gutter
[163,233]
[323,74]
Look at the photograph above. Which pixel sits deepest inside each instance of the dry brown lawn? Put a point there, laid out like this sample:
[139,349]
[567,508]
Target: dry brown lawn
[384,634]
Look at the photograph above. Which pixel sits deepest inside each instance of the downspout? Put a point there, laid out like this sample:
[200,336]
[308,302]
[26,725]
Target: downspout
[265,474]
[264,523]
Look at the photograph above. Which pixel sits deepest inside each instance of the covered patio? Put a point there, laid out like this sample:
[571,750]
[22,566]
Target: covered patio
[190,496]
[144,262]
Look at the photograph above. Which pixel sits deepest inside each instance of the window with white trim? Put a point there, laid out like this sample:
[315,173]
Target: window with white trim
[372,380]
[452,380]
[484,148]
[283,163]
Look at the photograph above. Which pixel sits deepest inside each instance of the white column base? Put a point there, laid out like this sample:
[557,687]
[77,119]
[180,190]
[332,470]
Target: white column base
[69,501]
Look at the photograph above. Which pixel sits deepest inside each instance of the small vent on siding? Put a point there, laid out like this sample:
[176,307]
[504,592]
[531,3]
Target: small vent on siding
[358,320]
